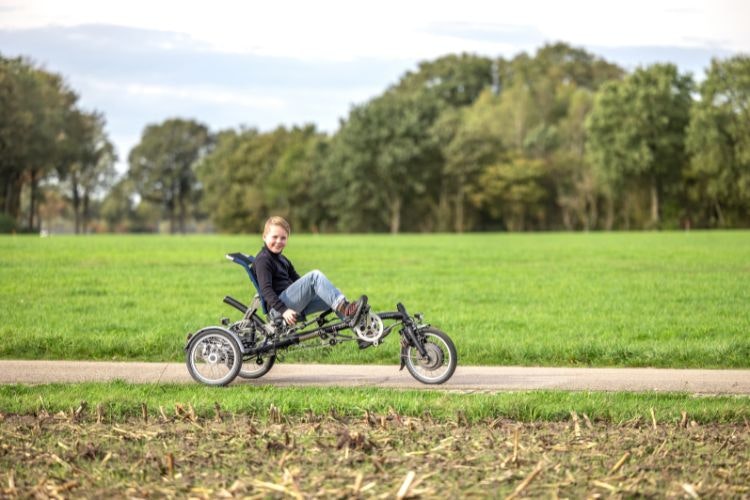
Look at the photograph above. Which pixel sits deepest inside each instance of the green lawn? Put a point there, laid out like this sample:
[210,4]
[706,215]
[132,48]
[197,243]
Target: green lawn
[669,299]
[121,401]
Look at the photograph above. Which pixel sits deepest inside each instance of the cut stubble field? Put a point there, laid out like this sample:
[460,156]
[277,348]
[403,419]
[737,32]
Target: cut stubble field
[375,456]
[661,299]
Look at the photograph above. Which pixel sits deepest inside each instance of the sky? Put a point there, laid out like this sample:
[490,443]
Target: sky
[261,64]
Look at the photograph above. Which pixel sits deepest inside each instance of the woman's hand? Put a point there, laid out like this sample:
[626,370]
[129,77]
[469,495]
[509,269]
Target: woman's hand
[290,316]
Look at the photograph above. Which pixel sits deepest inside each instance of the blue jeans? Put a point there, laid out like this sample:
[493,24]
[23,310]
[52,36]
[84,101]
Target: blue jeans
[313,292]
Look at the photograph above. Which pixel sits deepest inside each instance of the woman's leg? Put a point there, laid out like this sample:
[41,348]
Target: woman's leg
[312,292]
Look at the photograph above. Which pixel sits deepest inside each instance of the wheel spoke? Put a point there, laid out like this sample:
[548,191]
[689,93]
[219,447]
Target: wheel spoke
[214,359]
[251,368]
[438,364]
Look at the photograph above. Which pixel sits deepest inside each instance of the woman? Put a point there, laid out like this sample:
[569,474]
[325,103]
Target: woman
[287,294]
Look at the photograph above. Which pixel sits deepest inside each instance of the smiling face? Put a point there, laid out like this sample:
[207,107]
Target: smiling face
[275,238]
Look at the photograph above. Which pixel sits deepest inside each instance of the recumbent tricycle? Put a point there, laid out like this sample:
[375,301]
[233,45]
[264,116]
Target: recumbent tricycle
[248,348]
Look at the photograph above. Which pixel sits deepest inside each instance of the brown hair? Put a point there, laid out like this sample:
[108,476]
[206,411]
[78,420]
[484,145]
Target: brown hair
[276,221]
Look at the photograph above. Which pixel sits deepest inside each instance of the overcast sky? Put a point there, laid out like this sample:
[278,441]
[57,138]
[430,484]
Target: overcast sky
[267,63]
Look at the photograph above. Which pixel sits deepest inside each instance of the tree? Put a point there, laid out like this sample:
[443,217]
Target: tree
[117,208]
[451,81]
[162,166]
[87,162]
[577,184]
[250,175]
[34,106]
[295,186]
[97,167]
[718,140]
[544,102]
[386,158]
[471,141]
[512,191]
[231,191]
[637,131]
[566,65]
[52,103]
[16,78]
[387,154]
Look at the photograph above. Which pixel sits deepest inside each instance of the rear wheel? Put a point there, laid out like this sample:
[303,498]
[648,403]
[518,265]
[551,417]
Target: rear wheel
[257,367]
[214,358]
[440,358]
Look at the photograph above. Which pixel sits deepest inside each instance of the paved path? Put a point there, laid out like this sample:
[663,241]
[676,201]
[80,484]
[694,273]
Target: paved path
[466,378]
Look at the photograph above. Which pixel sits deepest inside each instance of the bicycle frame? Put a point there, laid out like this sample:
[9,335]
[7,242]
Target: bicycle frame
[281,336]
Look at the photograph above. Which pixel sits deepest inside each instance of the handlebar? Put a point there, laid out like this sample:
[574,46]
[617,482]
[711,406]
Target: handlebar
[236,304]
[402,310]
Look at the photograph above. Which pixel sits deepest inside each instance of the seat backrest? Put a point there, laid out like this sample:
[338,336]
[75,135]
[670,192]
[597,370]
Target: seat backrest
[246,261]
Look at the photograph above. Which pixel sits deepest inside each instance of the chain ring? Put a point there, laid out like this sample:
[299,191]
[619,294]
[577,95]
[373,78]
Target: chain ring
[369,329]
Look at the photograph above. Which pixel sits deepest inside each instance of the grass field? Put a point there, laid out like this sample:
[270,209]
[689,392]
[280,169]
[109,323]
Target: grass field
[670,299]
[121,401]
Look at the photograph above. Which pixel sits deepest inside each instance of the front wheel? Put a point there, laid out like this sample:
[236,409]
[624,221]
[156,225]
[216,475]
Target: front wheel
[213,357]
[440,361]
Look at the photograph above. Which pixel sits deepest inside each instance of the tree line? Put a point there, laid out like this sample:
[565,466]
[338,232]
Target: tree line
[46,138]
[558,140]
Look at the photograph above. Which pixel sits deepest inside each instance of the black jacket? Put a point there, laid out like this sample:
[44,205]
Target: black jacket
[275,273]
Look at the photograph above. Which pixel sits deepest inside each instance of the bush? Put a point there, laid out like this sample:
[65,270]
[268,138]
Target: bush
[7,224]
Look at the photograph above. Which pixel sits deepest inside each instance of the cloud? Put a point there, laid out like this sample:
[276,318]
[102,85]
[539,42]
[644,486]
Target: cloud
[515,36]
[695,60]
[140,76]
[159,57]
[169,71]
[192,93]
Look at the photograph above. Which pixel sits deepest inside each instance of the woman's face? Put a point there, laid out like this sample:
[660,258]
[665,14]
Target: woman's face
[276,238]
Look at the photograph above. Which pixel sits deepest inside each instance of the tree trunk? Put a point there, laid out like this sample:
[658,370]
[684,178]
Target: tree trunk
[5,184]
[626,212]
[181,203]
[719,214]
[76,204]
[459,226]
[566,220]
[171,209]
[12,204]
[395,215]
[610,217]
[85,213]
[7,196]
[32,199]
[654,204]
[592,218]
[444,209]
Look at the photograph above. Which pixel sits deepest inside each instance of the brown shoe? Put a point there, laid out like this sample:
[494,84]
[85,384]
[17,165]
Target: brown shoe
[352,311]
